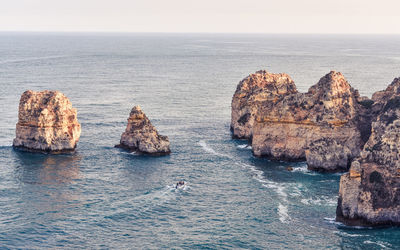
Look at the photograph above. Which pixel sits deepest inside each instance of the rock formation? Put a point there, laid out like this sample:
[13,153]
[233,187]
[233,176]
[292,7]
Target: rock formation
[370,193]
[46,123]
[251,93]
[287,125]
[141,136]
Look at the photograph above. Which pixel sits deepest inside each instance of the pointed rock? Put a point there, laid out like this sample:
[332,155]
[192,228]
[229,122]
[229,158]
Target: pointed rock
[142,137]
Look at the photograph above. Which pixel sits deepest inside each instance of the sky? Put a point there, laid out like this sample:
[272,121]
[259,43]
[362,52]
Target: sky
[214,16]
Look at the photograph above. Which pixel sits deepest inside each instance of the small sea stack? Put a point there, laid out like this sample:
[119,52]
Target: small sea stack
[47,123]
[142,137]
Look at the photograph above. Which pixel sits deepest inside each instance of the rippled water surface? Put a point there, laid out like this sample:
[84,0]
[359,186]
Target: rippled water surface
[103,197]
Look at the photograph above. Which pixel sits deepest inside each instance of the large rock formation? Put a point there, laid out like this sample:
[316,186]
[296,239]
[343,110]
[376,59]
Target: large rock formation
[46,123]
[370,193]
[288,125]
[251,93]
[141,136]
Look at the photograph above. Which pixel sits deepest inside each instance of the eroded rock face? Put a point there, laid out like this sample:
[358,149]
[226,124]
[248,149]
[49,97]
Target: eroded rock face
[327,155]
[300,126]
[252,92]
[46,123]
[370,193]
[141,136]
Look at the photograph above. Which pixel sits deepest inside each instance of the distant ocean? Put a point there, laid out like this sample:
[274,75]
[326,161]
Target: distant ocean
[103,197]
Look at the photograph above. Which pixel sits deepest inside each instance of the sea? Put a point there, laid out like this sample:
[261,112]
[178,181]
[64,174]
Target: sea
[101,197]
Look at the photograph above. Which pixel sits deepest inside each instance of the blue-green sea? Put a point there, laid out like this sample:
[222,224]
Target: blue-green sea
[102,197]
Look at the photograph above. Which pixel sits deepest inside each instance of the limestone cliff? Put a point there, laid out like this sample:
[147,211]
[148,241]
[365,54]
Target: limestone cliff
[46,123]
[141,136]
[298,126]
[252,92]
[370,193]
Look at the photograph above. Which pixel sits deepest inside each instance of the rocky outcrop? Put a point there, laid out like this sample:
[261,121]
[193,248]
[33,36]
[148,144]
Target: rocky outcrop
[46,123]
[370,193]
[328,155]
[301,126]
[142,137]
[251,93]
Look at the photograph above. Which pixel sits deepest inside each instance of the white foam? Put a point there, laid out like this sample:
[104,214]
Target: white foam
[277,187]
[244,146]
[322,201]
[31,59]
[283,213]
[379,243]
[333,221]
[342,233]
[303,169]
[210,150]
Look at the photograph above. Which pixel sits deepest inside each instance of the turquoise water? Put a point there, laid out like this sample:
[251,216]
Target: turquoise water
[103,197]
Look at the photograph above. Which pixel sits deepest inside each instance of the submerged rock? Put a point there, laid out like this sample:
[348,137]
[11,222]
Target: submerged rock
[141,136]
[46,123]
[298,126]
[251,93]
[370,193]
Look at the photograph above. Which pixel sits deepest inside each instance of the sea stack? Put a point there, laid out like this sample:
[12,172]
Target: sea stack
[46,123]
[369,195]
[251,93]
[142,137]
[327,126]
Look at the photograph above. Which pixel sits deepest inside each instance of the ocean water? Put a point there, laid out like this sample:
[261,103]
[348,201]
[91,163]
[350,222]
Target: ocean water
[104,197]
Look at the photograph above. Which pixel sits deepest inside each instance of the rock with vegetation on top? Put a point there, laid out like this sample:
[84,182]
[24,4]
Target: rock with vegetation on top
[142,137]
[46,123]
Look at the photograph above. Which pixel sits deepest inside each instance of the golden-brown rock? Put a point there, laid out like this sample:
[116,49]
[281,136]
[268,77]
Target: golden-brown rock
[370,193]
[142,137]
[251,92]
[302,126]
[46,123]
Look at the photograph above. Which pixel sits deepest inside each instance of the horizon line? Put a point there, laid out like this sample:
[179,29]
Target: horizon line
[189,32]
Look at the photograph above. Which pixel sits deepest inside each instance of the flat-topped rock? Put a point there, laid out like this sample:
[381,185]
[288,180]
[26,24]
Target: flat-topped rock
[46,123]
[142,137]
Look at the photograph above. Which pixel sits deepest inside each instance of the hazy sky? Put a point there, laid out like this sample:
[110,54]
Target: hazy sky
[264,16]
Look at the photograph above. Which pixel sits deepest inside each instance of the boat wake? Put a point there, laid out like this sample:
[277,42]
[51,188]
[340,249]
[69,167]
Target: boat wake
[210,150]
[278,188]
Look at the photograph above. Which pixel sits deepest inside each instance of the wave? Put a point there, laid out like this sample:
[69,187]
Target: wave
[340,224]
[342,233]
[379,243]
[32,59]
[244,146]
[303,169]
[283,213]
[210,150]
[322,201]
[280,190]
